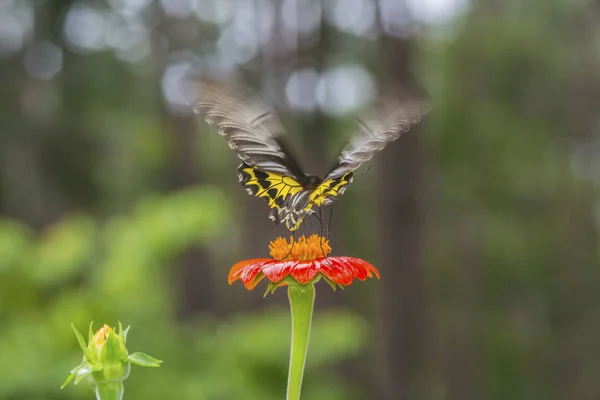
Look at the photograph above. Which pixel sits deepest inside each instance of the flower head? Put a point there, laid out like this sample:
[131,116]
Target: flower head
[303,261]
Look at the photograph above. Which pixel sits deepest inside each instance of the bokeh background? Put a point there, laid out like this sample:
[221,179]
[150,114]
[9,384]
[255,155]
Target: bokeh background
[118,203]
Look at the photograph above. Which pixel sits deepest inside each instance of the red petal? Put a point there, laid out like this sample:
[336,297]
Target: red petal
[246,269]
[305,270]
[277,270]
[343,270]
[252,283]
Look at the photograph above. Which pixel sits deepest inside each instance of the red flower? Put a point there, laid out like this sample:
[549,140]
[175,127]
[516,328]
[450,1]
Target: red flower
[304,260]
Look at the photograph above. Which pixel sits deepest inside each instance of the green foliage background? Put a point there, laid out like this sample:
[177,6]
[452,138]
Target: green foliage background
[80,270]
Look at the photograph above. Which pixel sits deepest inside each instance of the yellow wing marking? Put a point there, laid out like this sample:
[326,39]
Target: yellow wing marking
[274,187]
[329,188]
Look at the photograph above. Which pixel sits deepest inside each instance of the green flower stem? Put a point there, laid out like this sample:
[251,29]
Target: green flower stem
[109,391]
[302,298]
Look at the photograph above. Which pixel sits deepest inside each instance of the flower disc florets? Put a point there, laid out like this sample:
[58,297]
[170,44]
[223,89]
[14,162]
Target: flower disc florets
[302,249]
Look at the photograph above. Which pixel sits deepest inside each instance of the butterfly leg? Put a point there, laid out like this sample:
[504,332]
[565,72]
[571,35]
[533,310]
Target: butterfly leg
[329,221]
[320,218]
[320,222]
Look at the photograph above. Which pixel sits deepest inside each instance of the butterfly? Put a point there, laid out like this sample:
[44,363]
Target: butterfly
[268,170]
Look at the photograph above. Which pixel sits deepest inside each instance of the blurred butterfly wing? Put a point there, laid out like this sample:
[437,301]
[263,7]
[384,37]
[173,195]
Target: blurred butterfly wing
[384,123]
[254,132]
[250,126]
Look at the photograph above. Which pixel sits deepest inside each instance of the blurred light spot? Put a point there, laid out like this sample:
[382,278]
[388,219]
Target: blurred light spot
[119,34]
[352,16]
[129,8]
[84,28]
[289,16]
[136,53]
[249,29]
[177,8]
[344,89]
[217,64]
[173,86]
[301,19]
[300,90]
[436,12]
[235,46]
[264,21]
[11,34]
[216,12]
[245,15]
[43,60]
[16,25]
[395,18]
[309,17]
[129,39]
[239,41]
[585,159]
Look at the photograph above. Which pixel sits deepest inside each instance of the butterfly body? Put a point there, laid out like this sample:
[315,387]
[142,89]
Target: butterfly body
[291,199]
[269,171]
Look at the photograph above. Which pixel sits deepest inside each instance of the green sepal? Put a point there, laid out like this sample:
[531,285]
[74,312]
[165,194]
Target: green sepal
[80,372]
[85,371]
[330,283]
[258,278]
[90,333]
[70,377]
[113,349]
[272,287]
[123,333]
[143,360]
[80,339]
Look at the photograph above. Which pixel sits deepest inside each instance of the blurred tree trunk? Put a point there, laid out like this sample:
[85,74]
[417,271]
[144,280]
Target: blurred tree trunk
[401,222]
[44,178]
[462,319]
[576,321]
[193,268]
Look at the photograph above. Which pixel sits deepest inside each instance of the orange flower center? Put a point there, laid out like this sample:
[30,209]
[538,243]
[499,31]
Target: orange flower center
[303,249]
[101,336]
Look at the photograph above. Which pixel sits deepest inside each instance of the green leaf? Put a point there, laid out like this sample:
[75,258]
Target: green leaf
[143,360]
[79,337]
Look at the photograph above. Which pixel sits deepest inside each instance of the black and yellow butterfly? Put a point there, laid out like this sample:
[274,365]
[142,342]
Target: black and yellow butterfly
[268,170]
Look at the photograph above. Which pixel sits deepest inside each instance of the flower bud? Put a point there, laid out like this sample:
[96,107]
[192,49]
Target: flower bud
[106,363]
